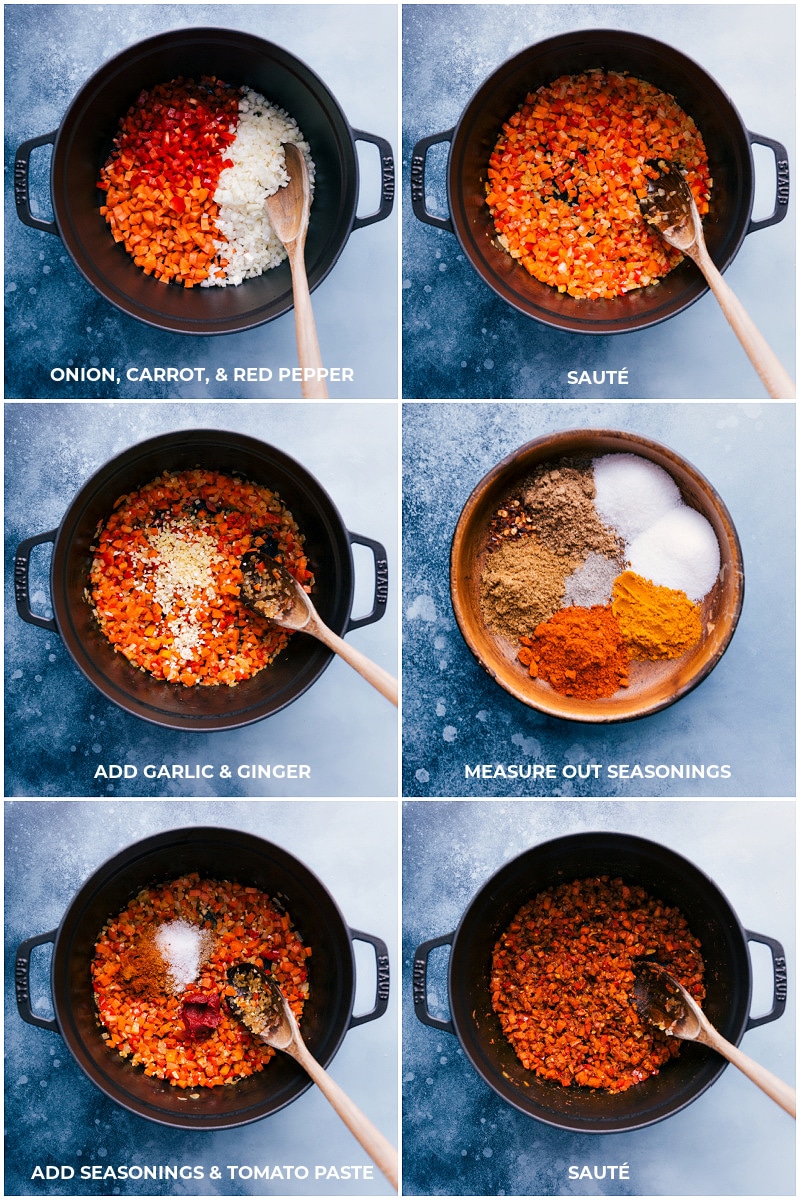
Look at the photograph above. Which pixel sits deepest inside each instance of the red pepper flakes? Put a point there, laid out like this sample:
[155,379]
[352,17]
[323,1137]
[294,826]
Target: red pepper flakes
[567,173]
[562,982]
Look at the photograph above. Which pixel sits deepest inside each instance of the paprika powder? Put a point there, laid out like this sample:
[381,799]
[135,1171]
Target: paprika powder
[580,652]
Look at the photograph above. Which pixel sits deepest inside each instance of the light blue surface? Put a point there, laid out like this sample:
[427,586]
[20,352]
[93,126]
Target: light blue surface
[59,726]
[461,1139]
[55,319]
[461,340]
[743,714]
[55,1115]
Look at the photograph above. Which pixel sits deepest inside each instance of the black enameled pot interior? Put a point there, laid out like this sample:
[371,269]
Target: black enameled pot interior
[85,140]
[666,876]
[202,708]
[220,854]
[504,91]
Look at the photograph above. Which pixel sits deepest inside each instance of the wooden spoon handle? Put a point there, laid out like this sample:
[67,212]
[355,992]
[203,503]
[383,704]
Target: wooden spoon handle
[367,669]
[774,1087]
[378,1147]
[776,379]
[308,352]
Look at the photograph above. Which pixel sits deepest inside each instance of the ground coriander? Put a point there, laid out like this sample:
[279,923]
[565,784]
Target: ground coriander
[521,586]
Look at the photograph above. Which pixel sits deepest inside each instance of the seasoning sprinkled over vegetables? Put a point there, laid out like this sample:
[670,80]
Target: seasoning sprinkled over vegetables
[579,652]
[159,975]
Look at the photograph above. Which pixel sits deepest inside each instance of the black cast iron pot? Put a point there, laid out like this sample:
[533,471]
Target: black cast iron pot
[327,544]
[665,875]
[216,854]
[83,141]
[728,143]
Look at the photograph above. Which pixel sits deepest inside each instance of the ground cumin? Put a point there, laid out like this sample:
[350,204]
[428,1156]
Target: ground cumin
[656,622]
[522,585]
[580,652]
[559,498]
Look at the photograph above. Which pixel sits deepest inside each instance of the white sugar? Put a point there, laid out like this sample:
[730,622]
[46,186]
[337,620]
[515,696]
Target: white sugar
[183,947]
[680,550]
[632,492]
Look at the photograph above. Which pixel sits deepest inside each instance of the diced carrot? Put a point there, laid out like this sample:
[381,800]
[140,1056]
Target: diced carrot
[567,170]
[146,1025]
[232,644]
[149,150]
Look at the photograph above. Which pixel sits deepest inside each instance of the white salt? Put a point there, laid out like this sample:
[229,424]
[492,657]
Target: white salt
[183,947]
[632,492]
[678,551]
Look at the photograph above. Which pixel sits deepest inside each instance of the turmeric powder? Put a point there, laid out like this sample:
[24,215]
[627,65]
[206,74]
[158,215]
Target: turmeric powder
[656,622]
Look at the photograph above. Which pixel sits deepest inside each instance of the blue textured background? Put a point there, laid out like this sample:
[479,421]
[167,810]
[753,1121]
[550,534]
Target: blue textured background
[59,727]
[460,339]
[742,714]
[461,1139]
[55,319]
[55,1115]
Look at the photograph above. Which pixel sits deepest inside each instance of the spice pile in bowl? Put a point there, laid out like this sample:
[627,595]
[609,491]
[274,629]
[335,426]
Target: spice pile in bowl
[595,564]
[186,182]
[568,171]
[165,578]
[159,978]
[562,982]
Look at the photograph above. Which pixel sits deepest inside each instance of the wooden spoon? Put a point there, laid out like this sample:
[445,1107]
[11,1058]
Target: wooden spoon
[271,591]
[263,1009]
[665,1003]
[670,208]
[288,210]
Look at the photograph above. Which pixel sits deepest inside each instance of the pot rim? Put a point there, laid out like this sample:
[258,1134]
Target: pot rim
[99,880]
[63,550]
[62,206]
[462,1018]
[461,222]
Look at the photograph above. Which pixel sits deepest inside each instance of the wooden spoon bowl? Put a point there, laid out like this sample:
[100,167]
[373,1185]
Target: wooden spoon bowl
[653,685]
[665,1003]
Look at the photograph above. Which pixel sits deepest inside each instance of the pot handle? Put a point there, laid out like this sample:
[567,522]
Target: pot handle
[22,161]
[419,983]
[381,593]
[382,984]
[22,561]
[779,978]
[22,973]
[418,157]
[781,181]
[387,178]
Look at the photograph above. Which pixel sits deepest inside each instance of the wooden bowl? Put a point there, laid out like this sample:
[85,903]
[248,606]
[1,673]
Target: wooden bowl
[652,685]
